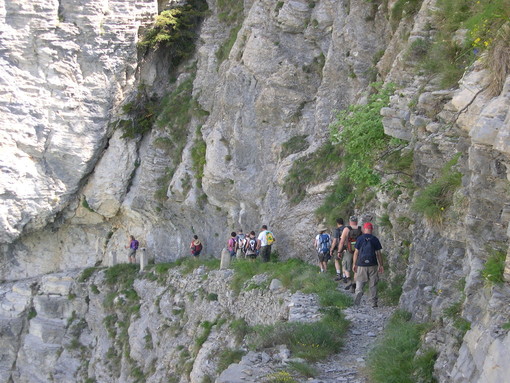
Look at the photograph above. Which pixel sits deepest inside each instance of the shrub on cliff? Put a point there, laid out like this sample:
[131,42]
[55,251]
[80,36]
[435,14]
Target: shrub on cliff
[175,29]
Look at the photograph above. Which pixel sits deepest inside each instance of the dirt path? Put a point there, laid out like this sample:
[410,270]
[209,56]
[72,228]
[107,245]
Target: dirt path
[367,324]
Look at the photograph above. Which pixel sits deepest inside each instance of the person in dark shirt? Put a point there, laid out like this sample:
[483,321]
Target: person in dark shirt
[368,264]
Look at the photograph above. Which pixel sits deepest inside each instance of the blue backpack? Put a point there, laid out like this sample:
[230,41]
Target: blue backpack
[324,243]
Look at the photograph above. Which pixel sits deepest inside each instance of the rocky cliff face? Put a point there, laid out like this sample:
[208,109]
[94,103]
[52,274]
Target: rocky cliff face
[73,188]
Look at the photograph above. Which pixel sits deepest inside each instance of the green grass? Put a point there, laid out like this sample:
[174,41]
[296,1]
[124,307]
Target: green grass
[86,274]
[394,359]
[312,169]
[454,312]
[404,7]
[227,357]
[224,50]
[304,369]
[384,221]
[506,326]
[390,291]
[122,275]
[198,152]
[295,275]
[494,267]
[280,377]
[310,341]
[240,329]
[294,145]
[437,197]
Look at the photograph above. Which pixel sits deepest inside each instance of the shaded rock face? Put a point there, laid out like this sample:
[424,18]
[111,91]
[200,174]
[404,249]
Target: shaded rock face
[73,189]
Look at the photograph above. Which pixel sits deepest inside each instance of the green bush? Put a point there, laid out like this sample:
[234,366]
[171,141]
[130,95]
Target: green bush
[32,313]
[494,267]
[175,30]
[394,359]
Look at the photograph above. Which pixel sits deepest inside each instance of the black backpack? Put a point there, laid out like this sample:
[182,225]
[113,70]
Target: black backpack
[366,256]
[352,238]
[252,245]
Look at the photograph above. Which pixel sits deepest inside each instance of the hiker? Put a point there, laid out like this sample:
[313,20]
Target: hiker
[367,264]
[251,246]
[133,246]
[241,242]
[348,240]
[195,246]
[232,244]
[264,242]
[335,247]
[322,243]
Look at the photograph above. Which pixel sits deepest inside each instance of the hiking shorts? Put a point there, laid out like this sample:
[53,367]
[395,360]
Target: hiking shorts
[131,253]
[324,257]
[347,261]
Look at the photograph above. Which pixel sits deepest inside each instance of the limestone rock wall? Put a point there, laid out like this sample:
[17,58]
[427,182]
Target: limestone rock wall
[57,329]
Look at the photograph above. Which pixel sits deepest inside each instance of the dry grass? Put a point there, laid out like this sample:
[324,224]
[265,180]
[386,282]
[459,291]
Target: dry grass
[498,59]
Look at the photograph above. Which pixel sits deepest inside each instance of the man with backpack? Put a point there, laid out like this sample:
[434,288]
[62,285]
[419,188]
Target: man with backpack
[133,246]
[251,246]
[195,246]
[323,245]
[241,242]
[368,264]
[335,247]
[264,242]
[350,235]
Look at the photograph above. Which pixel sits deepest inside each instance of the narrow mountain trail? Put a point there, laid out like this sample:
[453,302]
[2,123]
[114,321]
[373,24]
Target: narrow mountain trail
[366,325]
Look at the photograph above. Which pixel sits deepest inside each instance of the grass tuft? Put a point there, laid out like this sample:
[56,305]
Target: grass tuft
[394,359]
[494,267]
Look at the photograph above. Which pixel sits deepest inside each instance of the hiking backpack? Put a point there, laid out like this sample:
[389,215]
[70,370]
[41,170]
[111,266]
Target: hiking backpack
[197,248]
[136,244]
[241,240]
[252,245]
[269,238]
[231,244]
[324,243]
[352,237]
[367,255]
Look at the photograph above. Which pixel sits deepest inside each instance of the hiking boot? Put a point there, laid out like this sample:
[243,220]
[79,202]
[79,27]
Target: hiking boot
[348,287]
[353,288]
[357,300]
[338,277]
[345,279]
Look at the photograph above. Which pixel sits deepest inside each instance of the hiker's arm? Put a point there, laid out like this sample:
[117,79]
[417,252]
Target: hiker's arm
[258,244]
[354,260]
[378,254]
[343,239]
[333,243]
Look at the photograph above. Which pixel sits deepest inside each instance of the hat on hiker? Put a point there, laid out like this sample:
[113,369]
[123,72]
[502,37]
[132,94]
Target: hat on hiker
[353,218]
[368,226]
[322,227]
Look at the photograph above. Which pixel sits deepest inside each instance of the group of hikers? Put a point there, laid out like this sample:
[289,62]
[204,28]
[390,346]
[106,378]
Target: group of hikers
[251,246]
[357,256]
[355,250]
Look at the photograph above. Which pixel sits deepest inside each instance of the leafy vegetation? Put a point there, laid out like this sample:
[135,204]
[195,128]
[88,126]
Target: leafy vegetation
[175,30]
[454,312]
[488,28]
[394,358]
[494,267]
[435,198]
[141,113]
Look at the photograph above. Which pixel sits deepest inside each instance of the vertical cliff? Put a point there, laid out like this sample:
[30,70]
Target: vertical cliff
[248,111]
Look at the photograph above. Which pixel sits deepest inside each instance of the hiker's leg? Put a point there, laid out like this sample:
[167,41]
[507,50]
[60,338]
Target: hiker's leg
[347,263]
[373,278]
[361,279]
